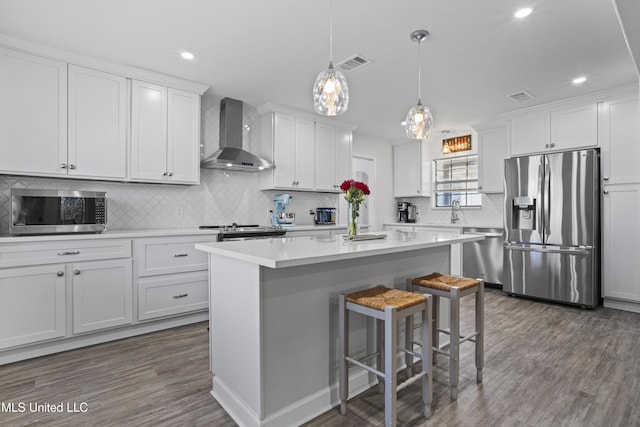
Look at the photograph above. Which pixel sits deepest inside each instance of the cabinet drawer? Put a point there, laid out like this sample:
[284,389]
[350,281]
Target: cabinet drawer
[20,254]
[174,294]
[168,255]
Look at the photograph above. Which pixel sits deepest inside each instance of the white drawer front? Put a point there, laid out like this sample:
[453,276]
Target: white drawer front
[175,294]
[21,254]
[171,255]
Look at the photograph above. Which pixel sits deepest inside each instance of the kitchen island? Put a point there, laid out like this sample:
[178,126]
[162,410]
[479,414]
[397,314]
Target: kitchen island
[273,316]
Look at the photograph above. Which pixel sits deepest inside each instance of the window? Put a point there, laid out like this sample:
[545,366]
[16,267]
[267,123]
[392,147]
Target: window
[457,179]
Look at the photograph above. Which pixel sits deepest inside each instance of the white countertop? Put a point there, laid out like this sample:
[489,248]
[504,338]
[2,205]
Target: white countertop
[135,233]
[294,251]
[442,225]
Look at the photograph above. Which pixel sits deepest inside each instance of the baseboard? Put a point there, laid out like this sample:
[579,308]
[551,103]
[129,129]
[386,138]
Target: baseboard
[297,413]
[621,305]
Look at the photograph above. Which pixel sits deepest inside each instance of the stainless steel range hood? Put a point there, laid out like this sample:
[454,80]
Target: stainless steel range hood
[231,155]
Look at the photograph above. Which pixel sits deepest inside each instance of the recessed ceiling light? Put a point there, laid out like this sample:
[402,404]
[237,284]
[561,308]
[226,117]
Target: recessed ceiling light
[187,55]
[522,13]
[579,80]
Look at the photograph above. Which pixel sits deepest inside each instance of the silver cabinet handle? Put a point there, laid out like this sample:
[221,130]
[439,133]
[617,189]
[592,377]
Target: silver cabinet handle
[606,191]
[72,166]
[170,174]
[60,273]
[164,173]
[546,145]
[68,253]
[76,272]
[418,191]
[63,165]
[180,255]
[180,296]
[606,178]
[552,145]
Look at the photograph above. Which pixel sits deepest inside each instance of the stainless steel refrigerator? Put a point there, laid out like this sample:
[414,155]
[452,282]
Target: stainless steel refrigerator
[552,227]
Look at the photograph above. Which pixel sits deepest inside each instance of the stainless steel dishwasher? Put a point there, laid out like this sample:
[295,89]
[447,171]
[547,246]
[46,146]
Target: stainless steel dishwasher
[483,259]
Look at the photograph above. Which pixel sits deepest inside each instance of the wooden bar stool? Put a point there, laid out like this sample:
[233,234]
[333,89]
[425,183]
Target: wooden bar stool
[454,288]
[388,307]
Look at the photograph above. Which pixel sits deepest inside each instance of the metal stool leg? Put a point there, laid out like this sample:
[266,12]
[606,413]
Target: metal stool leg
[435,325]
[380,349]
[343,332]
[408,339]
[480,331]
[454,342]
[390,367]
[427,365]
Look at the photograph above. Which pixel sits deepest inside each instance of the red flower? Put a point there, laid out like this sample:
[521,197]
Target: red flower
[355,190]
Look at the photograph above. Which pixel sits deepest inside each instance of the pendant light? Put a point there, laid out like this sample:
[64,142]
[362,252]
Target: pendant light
[419,121]
[330,91]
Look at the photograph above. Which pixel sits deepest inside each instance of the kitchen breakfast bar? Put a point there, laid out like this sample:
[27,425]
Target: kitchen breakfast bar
[274,316]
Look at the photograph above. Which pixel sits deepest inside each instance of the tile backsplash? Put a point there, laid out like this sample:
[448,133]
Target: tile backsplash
[221,198]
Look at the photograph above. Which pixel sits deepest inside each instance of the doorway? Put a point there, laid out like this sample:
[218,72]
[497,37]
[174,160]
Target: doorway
[363,169]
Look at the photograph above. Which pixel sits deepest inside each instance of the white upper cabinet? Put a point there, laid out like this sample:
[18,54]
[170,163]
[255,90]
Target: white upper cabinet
[620,140]
[333,157]
[97,124]
[557,127]
[308,155]
[72,120]
[290,142]
[407,170]
[493,148]
[165,134]
[33,114]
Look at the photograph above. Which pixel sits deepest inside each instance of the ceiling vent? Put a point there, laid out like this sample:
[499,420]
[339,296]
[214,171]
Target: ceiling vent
[521,96]
[353,63]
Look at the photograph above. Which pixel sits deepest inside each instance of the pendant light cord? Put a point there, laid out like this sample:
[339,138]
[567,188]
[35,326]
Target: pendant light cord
[331,32]
[419,74]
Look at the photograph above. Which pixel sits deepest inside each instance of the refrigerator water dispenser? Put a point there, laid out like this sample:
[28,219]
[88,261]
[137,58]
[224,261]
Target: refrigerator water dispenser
[524,213]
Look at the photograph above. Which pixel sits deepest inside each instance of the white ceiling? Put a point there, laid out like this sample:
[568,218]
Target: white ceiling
[271,51]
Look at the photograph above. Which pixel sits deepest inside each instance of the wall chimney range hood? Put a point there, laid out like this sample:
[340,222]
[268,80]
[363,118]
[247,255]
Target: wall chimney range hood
[231,155]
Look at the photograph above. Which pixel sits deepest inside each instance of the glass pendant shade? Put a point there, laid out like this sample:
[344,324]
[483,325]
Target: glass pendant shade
[419,122]
[330,92]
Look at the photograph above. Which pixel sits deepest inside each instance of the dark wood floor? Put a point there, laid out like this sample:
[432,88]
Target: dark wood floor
[546,365]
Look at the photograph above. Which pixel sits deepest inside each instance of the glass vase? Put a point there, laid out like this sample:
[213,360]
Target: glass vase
[352,228]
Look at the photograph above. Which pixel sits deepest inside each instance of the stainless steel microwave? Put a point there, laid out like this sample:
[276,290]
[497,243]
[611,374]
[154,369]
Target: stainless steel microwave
[54,211]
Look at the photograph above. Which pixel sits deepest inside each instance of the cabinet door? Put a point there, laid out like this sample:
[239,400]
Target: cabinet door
[102,294]
[574,127]
[284,135]
[492,150]
[148,131]
[304,154]
[183,138]
[620,139]
[343,156]
[97,124]
[407,170]
[620,234]
[32,304]
[326,157]
[530,134]
[33,114]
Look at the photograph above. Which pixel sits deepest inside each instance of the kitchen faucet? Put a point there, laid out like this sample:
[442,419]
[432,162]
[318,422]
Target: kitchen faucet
[455,207]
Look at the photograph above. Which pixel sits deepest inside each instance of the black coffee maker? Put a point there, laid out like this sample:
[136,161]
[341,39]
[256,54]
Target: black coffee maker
[406,212]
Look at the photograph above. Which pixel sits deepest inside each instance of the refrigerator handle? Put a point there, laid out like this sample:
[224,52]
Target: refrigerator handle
[546,199]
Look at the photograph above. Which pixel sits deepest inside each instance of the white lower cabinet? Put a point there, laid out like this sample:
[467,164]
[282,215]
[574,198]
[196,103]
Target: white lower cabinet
[620,257]
[102,294]
[32,304]
[172,276]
